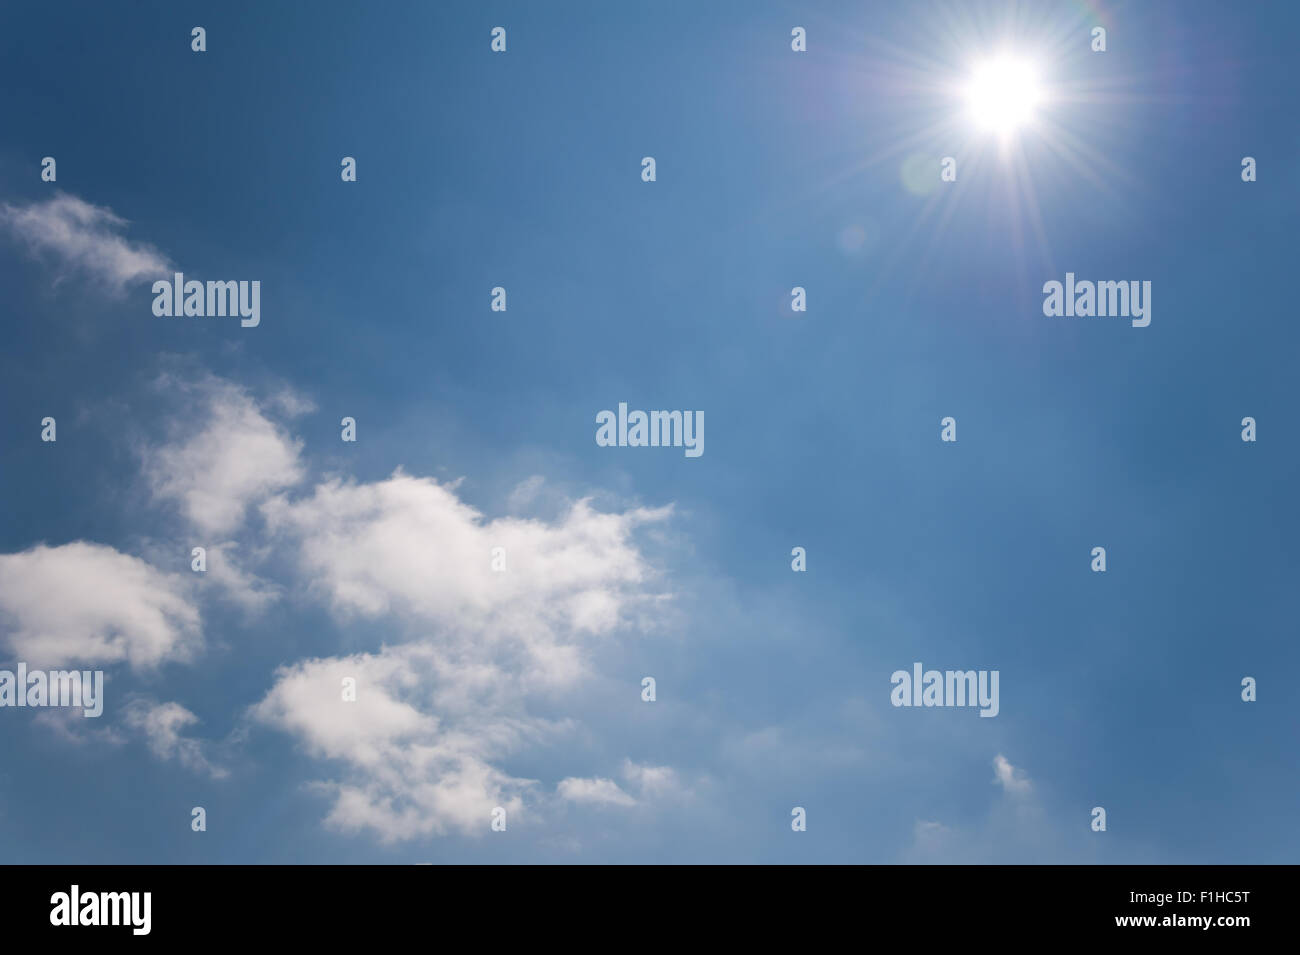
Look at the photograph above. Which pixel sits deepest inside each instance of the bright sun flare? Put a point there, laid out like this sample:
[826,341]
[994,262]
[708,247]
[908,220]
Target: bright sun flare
[1003,94]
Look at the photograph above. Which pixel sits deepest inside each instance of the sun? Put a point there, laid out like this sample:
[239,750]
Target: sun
[1003,94]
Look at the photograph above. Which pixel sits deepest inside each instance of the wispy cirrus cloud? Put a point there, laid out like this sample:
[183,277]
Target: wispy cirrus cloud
[79,238]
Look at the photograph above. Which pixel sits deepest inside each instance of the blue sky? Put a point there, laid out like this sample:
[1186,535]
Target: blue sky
[775,169]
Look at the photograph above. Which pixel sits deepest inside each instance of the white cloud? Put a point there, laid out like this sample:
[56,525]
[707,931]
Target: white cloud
[235,457]
[436,714]
[307,699]
[650,783]
[1011,779]
[409,547]
[161,724]
[1016,830]
[654,782]
[84,238]
[245,590]
[290,403]
[87,603]
[410,773]
[442,708]
[524,494]
[595,792]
